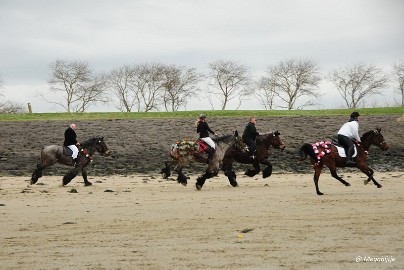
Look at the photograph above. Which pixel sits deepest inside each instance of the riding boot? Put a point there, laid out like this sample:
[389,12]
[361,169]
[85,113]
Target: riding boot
[350,162]
[75,162]
[210,156]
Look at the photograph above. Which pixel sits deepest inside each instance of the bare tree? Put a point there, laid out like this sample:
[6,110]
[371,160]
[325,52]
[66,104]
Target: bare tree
[293,79]
[148,83]
[121,82]
[179,84]
[229,80]
[77,82]
[9,106]
[398,73]
[266,92]
[358,81]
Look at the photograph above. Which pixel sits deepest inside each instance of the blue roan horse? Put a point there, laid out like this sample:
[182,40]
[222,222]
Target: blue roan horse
[55,154]
[183,152]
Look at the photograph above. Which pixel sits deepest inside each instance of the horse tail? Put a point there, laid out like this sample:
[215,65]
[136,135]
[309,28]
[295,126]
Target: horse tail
[305,150]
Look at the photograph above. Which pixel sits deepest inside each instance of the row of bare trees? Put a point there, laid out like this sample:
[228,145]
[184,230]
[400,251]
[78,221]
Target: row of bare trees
[290,84]
[148,87]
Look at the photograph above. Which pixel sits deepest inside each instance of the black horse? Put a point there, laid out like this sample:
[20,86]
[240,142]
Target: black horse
[183,152]
[52,154]
[325,154]
[238,153]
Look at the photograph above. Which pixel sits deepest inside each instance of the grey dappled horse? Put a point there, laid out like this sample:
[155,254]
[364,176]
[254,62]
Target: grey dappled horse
[52,154]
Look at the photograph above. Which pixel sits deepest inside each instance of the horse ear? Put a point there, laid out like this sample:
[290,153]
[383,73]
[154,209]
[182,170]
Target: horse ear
[236,133]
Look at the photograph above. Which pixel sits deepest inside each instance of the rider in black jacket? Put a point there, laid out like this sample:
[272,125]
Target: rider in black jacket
[250,135]
[203,129]
[71,141]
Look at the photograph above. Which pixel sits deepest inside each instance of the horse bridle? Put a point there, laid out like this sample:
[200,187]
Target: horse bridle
[377,133]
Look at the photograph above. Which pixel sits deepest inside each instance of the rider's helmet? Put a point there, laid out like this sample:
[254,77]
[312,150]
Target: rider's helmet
[202,116]
[355,114]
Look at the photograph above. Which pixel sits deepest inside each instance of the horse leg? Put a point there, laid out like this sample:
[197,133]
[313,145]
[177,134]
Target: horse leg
[231,175]
[37,173]
[211,171]
[182,178]
[317,172]
[70,175]
[227,167]
[369,172]
[335,175]
[165,172]
[254,172]
[369,178]
[268,170]
[84,174]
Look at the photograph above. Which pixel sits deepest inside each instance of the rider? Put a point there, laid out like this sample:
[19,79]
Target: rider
[71,141]
[250,135]
[203,129]
[348,132]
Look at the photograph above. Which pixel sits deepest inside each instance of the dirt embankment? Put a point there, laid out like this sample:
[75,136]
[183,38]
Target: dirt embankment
[141,146]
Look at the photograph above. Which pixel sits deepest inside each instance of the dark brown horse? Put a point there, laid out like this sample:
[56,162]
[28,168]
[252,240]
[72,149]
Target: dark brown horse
[184,152]
[52,154]
[236,153]
[324,154]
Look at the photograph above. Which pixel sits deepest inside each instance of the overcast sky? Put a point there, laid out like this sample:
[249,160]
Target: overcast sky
[255,33]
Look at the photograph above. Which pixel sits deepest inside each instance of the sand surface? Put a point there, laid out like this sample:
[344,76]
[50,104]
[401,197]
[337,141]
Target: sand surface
[145,222]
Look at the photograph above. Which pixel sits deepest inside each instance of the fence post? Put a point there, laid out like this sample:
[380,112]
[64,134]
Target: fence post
[29,108]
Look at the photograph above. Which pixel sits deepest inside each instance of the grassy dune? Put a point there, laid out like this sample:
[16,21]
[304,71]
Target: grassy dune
[185,114]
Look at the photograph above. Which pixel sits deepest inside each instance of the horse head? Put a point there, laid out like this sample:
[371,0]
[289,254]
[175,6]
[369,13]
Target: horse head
[276,140]
[375,137]
[101,147]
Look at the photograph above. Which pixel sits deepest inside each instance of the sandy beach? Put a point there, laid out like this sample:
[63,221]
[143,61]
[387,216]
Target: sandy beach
[144,222]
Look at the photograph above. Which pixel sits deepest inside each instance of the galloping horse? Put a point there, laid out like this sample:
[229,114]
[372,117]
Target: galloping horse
[235,153]
[52,154]
[183,152]
[325,154]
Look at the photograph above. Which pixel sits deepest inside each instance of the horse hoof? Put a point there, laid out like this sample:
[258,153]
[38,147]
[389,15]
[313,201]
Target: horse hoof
[320,193]
[88,184]
[347,184]
[183,183]
[198,187]
[366,182]
[164,175]
[379,186]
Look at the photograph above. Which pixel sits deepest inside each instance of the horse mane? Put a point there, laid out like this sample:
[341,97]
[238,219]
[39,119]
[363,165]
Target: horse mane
[91,141]
[223,138]
[263,136]
[367,134]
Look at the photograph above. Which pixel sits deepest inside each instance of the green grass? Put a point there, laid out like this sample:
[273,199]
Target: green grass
[195,114]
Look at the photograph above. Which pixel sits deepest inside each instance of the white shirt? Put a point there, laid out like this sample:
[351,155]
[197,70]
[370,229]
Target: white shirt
[351,130]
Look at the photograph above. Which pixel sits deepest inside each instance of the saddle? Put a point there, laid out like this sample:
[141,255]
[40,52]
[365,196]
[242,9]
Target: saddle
[202,147]
[342,152]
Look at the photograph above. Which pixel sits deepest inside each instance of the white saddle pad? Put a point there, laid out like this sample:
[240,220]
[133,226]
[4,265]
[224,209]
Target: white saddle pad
[341,151]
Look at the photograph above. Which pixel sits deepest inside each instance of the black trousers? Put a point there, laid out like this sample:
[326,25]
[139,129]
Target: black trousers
[251,146]
[348,145]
